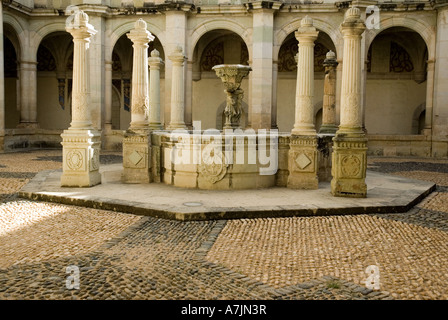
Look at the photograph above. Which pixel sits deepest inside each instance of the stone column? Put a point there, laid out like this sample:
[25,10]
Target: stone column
[304,115]
[177,90]
[2,84]
[97,72]
[108,97]
[439,130]
[154,62]
[175,35]
[28,94]
[274,95]
[140,95]
[349,159]
[189,95]
[303,156]
[137,139]
[261,78]
[329,102]
[338,85]
[429,97]
[81,142]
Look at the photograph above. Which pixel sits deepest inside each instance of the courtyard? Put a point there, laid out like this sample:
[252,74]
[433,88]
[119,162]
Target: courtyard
[126,256]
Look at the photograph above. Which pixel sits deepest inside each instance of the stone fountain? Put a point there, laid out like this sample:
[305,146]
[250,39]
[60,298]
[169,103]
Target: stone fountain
[232,75]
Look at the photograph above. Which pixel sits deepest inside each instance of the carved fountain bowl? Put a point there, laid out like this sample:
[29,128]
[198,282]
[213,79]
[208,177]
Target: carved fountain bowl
[232,74]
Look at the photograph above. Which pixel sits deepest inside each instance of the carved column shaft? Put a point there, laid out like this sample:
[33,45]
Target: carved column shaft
[349,158]
[329,100]
[154,90]
[177,90]
[137,139]
[304,115]
[108,96]
[140,95]
[351,116]
[81,117]
[28,93]
[303,155]
[81,142]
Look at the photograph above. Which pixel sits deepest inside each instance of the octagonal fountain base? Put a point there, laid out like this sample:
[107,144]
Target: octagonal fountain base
[386,194]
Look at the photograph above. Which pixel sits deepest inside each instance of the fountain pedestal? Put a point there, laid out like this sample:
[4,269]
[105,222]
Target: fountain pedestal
[232,75]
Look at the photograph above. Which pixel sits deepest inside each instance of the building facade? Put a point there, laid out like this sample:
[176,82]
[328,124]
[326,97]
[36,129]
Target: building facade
[404,52]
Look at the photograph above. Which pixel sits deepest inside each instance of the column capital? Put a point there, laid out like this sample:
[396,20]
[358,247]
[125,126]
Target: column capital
[79,27]
[154,60]
[330,60]
[177,56]
[353,25]
[140,35]
[307,33]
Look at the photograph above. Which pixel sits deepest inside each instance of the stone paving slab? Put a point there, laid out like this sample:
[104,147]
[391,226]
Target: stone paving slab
[386,194]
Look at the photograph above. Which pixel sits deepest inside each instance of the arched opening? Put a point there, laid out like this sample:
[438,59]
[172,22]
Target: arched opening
[396,82]
[287,78]
[11,78]
[122,57]
[54,80]
[216,47]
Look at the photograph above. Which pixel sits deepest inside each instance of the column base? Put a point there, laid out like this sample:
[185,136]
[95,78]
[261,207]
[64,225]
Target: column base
[174,126]
[136,157]
[328,129]
[107,128]
[304,131]
[28,125]
[155,126]
[349,165]
[81,158]
[303,162]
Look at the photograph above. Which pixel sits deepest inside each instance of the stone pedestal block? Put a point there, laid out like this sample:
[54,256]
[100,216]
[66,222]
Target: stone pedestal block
[303,162]
[137,157]
[81,152]
[349,166]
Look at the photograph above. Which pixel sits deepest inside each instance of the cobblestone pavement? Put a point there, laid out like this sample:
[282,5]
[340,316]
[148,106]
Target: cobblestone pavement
[123,256]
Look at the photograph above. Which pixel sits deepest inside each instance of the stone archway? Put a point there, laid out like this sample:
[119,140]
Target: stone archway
[219,24]
[219,46]
[54,58]
[396,68]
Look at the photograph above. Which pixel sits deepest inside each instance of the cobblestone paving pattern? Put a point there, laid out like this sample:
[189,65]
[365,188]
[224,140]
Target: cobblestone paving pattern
[122,256]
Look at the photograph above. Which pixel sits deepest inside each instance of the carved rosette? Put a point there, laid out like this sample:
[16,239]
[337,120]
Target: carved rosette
[75,160]
[351,166]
